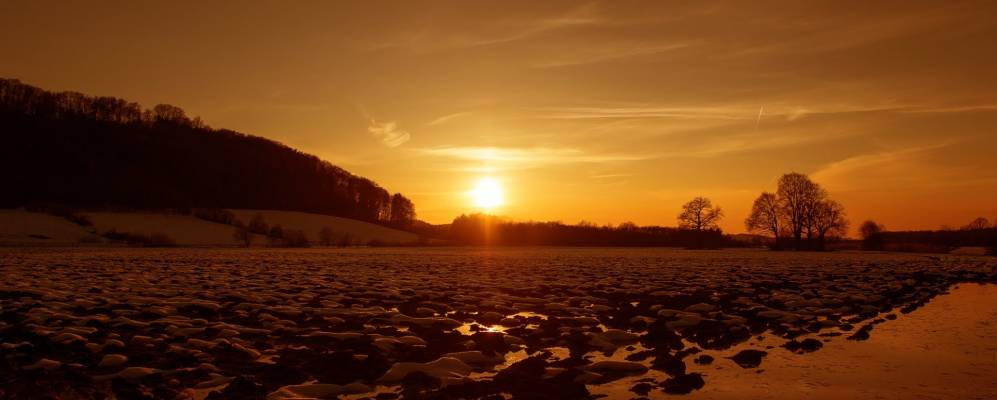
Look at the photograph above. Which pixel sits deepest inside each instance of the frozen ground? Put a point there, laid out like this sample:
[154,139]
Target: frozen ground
[469,323]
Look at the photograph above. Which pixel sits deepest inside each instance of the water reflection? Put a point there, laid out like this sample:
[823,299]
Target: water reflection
[944,350]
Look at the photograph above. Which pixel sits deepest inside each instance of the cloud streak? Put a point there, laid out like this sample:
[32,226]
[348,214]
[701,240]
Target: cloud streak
[506,158]
[447,118]
[388,133]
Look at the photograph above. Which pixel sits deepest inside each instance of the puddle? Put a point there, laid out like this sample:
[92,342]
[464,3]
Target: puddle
[944,350]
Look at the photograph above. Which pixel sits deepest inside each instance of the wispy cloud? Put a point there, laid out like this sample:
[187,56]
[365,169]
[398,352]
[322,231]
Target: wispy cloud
[494,32]
[388,133]
[638,112]
[610,53]
[884,169]
[504,158]
[447,118]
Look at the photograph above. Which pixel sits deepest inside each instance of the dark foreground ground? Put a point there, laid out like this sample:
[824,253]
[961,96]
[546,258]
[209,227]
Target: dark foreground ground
[432,323]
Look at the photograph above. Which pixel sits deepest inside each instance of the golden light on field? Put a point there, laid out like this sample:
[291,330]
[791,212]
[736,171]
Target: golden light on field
[487,194]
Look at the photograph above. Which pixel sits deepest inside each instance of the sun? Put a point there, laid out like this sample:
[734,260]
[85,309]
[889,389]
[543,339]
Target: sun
[487,194]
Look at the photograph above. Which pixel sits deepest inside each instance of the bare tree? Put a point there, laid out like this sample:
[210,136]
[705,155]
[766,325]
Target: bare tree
[798,196]
[700,214]
[765,216]
[828,220]
[978,223]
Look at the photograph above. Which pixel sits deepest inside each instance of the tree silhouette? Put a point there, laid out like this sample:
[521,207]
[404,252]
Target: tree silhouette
[799,197]
[765,216]
[799,206]
[870,232]
[481,229]
[242,234]
[402,211]
[700,214]
[828,219]
[326,236]
[276,235]
[978,223]
[80,150]
[258,225]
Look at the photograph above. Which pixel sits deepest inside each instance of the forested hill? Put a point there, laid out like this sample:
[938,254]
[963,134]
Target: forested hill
[70,148]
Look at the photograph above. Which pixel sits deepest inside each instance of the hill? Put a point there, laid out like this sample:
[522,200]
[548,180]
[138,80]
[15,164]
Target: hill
[70,148]
[23,228]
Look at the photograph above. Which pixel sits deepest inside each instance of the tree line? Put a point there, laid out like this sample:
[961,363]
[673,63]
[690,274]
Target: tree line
[799,214]
[977,233]
[97,151]
[481,229]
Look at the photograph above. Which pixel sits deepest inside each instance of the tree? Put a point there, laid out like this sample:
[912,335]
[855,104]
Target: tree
[700,214]
[345,241]
[169,114]
[870,228]
[259,225]
[828,220]
[870,231]
[276,235]
[242,234]
[295,238]
[799,197]
[108,151]
[765,216]
[402,211]
[978,223]
[326,236]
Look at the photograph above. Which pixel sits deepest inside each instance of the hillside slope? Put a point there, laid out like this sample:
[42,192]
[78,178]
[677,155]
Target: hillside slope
[22,228]
[356,232]
[93,152]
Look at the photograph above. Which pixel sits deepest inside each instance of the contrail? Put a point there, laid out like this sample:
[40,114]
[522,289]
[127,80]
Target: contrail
[759,119]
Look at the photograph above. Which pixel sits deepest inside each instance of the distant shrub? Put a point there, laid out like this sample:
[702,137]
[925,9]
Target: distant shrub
[345,241]
[65,212]
[90,240]
[140,240]
[159,240]
[258,225]
[276,235]
[326,236]
[295,238]
[242,235]
[917,247]
[214,215]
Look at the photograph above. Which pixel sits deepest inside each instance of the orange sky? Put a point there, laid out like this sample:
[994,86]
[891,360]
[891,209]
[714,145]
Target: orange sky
[602,111]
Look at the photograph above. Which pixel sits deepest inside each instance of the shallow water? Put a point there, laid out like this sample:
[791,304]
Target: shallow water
[944,350]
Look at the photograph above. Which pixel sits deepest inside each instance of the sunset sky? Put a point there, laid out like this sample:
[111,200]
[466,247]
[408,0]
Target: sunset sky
[597,111]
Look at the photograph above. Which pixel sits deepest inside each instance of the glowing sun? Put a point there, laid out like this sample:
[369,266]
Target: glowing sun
[487,194]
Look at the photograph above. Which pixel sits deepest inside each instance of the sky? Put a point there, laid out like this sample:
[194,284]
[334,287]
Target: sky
[598,111]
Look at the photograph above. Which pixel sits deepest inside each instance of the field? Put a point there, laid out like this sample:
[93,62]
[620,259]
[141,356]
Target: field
[452,322]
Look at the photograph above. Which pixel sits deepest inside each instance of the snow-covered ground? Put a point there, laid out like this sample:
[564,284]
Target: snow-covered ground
[476,322]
